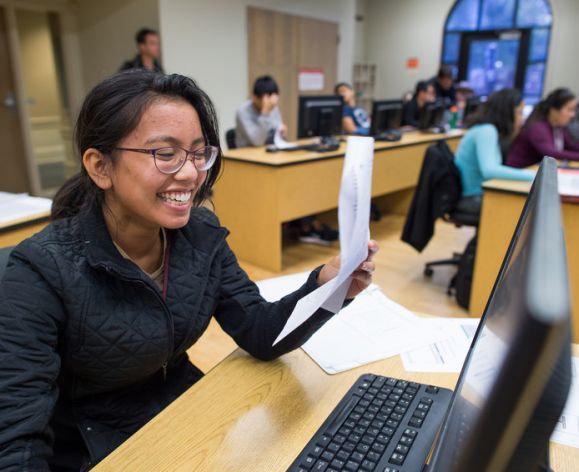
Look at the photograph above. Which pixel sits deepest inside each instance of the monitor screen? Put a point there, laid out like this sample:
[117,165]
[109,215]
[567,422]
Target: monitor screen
[515,380]
[431,115]
[386,115]
[320,115]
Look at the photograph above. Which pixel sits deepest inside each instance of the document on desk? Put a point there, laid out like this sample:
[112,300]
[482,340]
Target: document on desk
[568,182]
[14,206]
[446,354]
[567,429]
[353,217]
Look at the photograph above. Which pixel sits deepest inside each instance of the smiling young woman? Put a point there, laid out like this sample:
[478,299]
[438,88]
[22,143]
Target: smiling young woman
[99,309]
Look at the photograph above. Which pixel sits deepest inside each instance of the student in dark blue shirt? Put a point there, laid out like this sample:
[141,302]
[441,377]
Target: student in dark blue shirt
[424,93]
[355,119]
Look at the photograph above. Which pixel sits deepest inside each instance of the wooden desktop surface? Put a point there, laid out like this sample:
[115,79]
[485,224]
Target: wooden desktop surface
[12,232]
[258,191]
[503,201]
[247,415]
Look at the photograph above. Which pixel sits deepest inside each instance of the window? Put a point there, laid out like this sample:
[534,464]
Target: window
[499,43]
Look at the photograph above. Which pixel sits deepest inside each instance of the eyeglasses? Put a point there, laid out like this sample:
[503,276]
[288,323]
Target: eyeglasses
[170,160]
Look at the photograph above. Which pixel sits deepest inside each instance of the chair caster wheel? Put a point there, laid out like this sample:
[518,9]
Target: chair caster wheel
[428,272]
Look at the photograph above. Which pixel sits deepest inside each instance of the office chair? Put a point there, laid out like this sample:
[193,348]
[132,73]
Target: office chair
[230,138]
[437,194]
[4,254]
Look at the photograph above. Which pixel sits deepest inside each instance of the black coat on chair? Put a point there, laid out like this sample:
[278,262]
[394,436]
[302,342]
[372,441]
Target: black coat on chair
[438,191]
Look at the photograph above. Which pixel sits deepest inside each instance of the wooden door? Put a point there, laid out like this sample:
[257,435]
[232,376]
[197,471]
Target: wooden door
[280,45]
[13,168]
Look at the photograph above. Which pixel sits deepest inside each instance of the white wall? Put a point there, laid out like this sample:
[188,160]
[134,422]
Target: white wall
[207,40]
[397,30]
[107,34]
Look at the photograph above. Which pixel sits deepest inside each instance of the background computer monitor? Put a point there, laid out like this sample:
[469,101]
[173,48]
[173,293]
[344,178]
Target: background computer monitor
[431,115]
[517,375]
[472,106]
[320,116]
[386,116]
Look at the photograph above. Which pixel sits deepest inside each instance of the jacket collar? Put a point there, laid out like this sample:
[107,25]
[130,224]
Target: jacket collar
[198,236]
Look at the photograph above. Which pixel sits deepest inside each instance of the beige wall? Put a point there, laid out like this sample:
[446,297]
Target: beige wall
[207,40]
[38,66]
[397,30]
[106,34]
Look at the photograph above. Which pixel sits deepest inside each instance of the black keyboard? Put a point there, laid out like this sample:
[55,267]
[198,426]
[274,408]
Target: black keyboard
[382,424]
[392,135]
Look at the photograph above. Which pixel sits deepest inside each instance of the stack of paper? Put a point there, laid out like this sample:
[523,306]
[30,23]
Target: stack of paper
[15,206]
[568,182]
[567,430]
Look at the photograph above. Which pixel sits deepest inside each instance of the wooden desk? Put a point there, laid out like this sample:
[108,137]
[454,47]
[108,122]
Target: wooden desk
[12,232]
[503,201]
[258,191]
[246,415]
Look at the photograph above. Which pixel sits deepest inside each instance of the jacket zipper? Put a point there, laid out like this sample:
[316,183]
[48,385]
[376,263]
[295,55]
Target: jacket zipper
[168,316]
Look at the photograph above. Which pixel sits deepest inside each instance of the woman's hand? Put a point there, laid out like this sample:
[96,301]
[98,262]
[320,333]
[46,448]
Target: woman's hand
[361,277]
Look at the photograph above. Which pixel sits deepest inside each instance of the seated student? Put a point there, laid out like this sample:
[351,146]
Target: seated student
[480,153]
[98,310]
[545,131]
[258,119]
[355,120]
[444,86]
[423,94]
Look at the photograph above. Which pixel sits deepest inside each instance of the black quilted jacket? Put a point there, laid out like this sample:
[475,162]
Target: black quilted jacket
[90,351]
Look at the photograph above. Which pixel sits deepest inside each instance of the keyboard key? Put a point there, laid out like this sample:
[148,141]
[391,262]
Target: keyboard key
[377,424]
[343,455]
[390,469]
[359,430]
[410,432]
[391,382]
[365,384]
[373,456]
[367,440]
[426,400]
[368,465]
[350,423]
[355,438]
[378,447]
[339,438]
[415,422]
[352,466]
[411,390]
[397,459]
[396,417]
[379,382]
[414,385]
[320,466]
[382,439]
[309,462]
[329,456]
[345,430]
[398,391]
[393,397]
[349,446]
[372,431]
[388,431]
[333,447]
[402,449]
[432,389]
[362,448]
[422,407]
[324,440]
[373,390]
[407,396]
[419,414]
[406,440]
[368,418]
[392,424]
[404,403]
[358,457]
[337,464]
[399,409]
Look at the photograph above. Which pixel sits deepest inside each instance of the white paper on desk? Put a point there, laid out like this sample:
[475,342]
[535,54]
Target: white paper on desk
[568,182]
[279,141]
[14,206]
[371,328]
[567,429]
[354,217]
[446,354]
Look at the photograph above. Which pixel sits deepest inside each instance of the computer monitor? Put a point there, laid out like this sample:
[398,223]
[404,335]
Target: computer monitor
[431,116]
[320,116]
[517,374]
[386,116]
[472,106]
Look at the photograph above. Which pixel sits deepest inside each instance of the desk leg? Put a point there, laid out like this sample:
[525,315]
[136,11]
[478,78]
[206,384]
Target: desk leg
[246,201]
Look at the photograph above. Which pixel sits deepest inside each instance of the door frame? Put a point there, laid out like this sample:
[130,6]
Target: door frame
[72,69]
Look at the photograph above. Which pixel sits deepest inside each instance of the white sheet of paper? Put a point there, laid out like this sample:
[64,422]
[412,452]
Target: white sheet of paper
[568,182]
[567,429]
[446,354]
[280,142]
[371,328]
[354,217]
[14,206]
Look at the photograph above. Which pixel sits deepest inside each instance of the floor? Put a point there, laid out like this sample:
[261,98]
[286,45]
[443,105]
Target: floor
[399,272]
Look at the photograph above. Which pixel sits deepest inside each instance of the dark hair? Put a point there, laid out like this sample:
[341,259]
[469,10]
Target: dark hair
[445,72]
[341,84]
[141,36]
[499,111]
[557,99]
[265,85]
[421,86]
[111,111]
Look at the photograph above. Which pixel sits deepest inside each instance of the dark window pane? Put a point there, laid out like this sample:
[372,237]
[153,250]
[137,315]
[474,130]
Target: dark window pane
[497,14]
[534,79]
[492,65]
[539,45]
[534,13]
[451,47]
[464,16]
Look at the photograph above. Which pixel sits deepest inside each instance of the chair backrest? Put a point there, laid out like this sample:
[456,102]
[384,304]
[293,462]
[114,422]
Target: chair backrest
[4,254]
[230,138]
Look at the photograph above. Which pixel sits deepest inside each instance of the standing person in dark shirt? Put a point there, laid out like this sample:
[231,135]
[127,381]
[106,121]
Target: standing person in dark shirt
[149,47]
[444,86]
[423,94]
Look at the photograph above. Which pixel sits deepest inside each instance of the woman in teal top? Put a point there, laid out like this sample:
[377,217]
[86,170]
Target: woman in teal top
[480,154]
